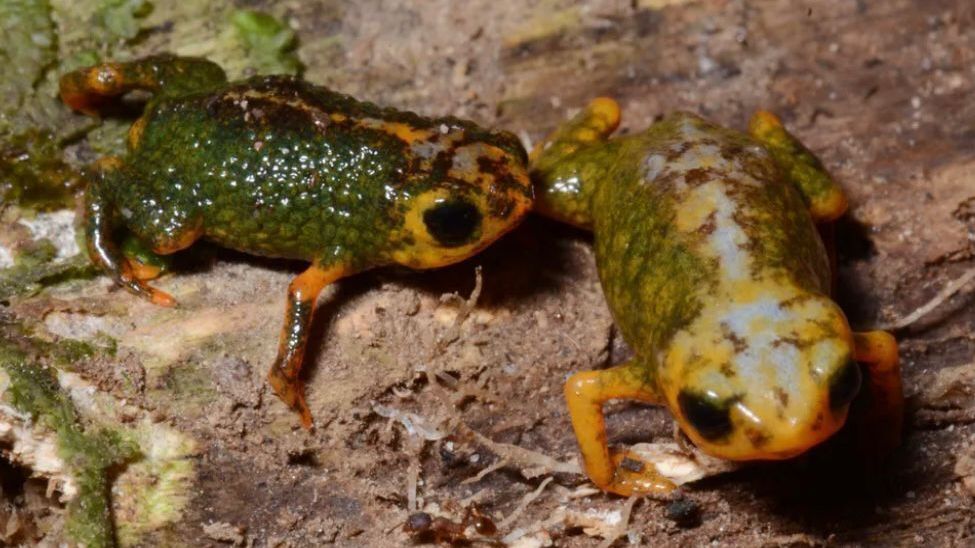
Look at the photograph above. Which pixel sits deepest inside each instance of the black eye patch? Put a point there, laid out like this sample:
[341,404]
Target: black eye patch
[711,419]
[453,223]
[844,385]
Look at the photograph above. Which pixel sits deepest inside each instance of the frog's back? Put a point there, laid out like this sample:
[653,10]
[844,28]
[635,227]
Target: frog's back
[281,167]
[696,213]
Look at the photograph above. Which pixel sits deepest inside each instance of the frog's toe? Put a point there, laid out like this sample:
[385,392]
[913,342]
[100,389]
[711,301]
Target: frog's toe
[291,392]
[130,279]
[635,476]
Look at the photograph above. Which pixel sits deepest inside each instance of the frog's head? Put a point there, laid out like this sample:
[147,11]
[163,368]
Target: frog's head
[763,379]
[475,189]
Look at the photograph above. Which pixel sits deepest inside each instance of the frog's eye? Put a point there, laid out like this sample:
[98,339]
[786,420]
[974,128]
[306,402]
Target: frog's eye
[452,222]
[710,418]
[844,385]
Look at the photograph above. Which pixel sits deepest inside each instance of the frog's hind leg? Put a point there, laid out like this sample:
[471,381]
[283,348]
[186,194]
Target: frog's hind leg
[822,194]
[617,472]
[881,417]
[302,297]
[100,224]
[89,89]
[560,168]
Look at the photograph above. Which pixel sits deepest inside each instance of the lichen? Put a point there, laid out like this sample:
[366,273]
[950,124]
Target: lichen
[89,453]
[34,268]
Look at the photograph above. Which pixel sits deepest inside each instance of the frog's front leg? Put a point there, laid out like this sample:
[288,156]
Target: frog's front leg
[302,298]
[100,223]
[882,417]
[826,200]
[617,472]
[88,89]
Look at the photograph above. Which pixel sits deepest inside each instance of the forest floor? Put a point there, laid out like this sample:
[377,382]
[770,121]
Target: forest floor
[417,390]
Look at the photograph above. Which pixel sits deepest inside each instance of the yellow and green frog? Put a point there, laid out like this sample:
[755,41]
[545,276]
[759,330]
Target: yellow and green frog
[705,239]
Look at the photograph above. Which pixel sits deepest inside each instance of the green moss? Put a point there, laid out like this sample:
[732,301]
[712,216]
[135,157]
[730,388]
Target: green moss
[35,267]
[31,169]
[121,18]
[89,454]
[34,125]
[269,43]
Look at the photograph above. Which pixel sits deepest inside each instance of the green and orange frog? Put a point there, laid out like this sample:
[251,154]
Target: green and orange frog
[278,167]
[708,253]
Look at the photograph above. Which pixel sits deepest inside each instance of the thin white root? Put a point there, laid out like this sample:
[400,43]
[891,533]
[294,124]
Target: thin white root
[412,479]
[532,464]
[942,296]
[501,463]
[623,525]
[415,425]
[528,499]
[466,306]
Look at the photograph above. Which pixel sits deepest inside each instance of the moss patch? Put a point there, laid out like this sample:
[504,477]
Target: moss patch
[90,453]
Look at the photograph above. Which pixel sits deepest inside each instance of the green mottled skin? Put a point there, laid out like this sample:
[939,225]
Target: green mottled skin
[264,169]
[716,276]
[653,278]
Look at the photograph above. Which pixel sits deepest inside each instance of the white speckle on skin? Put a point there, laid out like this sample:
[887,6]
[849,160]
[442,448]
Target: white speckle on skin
[654,165]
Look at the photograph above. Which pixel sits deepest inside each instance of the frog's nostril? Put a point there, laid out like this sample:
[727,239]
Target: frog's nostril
[453,222]
[844,385]
[711,418]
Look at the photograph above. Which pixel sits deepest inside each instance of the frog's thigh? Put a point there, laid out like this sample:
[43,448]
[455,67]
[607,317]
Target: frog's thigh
[825,198]
[594,123]
[617,472]
[877,350]
[302,297]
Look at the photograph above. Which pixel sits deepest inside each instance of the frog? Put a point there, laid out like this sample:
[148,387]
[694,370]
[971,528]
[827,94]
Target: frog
[707,250]
[276,166]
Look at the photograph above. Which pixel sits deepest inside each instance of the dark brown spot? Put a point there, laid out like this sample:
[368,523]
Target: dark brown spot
[709,225]
[757,438]
[731,151]
[798,299]
[674,154]
[697,176]
[818,423]
[782,396]
[738,343]
[631,465]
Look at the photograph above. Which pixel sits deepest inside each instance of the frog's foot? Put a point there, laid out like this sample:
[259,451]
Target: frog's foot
[286,370]
[635,476]
[143,263]
[621,472]
[822,194]
[87,90]
[880,413]
[292,392]
[129,278]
